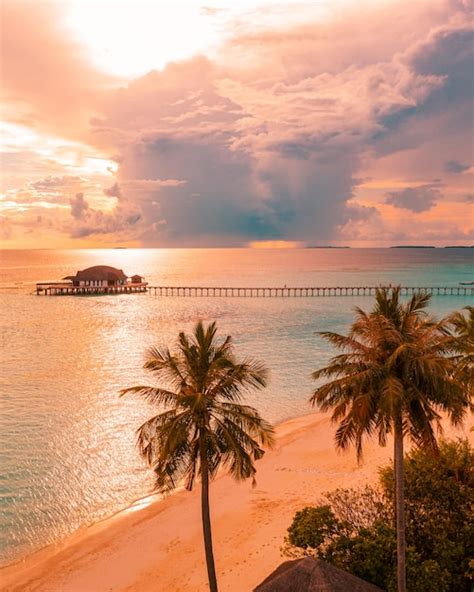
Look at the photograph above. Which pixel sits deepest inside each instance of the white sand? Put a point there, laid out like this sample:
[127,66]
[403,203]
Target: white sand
[160,547]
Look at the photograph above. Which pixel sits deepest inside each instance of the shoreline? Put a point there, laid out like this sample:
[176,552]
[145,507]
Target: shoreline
[160,539]
[136,505]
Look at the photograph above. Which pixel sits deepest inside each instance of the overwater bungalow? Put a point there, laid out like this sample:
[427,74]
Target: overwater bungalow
[100,279]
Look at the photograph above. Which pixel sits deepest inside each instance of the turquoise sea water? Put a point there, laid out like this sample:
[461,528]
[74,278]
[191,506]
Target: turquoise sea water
[67,441]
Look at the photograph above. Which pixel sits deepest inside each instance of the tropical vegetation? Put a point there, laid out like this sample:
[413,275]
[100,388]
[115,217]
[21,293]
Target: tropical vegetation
[354,529]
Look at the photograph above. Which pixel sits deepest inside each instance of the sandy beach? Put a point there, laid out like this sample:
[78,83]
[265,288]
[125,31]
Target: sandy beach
[159,547]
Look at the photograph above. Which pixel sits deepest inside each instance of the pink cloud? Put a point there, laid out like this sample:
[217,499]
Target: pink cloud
[270,140]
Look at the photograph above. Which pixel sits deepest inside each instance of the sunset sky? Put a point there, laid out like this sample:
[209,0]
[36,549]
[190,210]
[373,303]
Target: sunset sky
[186,123]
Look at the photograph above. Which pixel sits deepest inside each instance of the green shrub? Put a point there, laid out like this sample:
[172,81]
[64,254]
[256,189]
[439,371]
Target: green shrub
[354,529]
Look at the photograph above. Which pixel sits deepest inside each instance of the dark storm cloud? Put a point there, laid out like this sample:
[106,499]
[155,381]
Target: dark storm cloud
[415,199]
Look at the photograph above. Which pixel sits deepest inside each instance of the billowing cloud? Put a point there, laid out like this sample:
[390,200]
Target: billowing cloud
[270,140]
[88,221]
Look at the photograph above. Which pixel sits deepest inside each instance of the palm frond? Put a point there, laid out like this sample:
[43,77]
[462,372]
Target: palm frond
[238,449]
[152,394]
[417,303]
[165,366]
[344,342]
[237,379]
[248,420]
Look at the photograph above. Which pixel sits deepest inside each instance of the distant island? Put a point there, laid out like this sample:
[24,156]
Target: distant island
[425,247]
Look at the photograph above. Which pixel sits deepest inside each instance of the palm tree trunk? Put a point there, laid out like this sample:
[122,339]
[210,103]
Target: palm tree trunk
[206,518]
[400,505]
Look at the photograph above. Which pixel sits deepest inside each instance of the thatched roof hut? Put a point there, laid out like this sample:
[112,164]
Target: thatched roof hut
[313,575]
[99,273]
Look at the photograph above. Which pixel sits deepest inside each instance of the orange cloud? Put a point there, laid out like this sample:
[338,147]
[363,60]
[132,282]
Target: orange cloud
[271,141]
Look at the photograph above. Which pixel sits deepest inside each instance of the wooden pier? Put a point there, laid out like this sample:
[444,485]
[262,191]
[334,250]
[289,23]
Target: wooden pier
[63,288]
[200,291]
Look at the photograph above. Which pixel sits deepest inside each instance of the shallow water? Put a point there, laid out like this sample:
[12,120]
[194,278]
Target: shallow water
[67,441]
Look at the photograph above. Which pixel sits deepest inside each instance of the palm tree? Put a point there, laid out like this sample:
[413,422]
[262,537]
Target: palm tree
[205,426]
[396,374]
[463,328]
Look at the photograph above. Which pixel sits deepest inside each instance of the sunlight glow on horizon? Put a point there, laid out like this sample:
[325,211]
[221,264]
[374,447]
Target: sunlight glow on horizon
[276,244]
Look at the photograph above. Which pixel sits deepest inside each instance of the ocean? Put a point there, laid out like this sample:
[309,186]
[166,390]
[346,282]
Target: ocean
[67,441]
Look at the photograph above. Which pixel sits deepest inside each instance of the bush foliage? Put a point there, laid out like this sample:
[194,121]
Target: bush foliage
[354,529]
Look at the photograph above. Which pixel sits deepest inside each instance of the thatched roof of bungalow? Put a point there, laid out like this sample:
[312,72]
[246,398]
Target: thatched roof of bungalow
[98,273]
[313,575]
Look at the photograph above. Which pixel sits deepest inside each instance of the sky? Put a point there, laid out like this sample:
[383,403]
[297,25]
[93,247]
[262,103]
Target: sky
[251,123]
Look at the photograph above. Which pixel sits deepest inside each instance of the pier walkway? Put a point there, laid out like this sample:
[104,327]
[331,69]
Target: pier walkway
[199,291]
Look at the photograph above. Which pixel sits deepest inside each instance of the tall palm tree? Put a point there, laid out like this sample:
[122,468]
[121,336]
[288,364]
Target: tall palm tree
[396,374]
[205,426]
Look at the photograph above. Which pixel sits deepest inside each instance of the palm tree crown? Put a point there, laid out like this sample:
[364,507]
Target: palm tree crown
[397,363]
[205,386]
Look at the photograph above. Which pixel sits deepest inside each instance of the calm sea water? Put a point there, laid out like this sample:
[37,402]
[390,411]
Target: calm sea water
[67,441]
